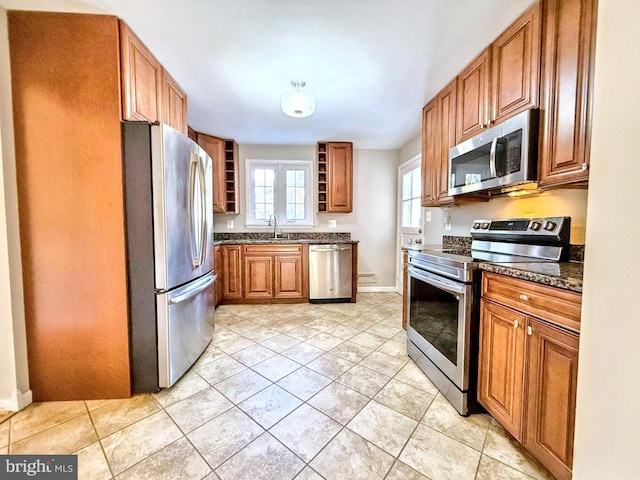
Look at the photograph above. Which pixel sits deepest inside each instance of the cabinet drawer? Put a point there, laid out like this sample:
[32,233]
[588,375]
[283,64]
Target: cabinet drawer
[273,249]
[559,306]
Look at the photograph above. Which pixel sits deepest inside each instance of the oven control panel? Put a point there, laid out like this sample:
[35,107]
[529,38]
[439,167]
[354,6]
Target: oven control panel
[549,224]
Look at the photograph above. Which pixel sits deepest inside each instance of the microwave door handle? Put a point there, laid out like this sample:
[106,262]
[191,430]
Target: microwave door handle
[492,157]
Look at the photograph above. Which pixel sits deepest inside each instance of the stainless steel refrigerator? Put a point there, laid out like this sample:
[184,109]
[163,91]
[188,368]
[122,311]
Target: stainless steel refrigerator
[169,223]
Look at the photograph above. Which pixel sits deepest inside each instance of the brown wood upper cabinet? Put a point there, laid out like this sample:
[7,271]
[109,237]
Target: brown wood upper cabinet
[335,177]
[148,91]
[528,363]
[430,151]
[438,136]
[174,108]
[224,154]
[503,80]
[214,146]
[566,91]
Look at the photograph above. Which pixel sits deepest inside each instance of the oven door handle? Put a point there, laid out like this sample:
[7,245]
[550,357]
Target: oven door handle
[436,281]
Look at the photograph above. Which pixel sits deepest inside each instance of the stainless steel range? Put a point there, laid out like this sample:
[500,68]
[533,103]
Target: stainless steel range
[442,329]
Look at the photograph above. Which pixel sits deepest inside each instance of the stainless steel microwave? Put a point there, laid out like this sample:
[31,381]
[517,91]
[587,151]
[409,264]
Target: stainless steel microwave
[503,156]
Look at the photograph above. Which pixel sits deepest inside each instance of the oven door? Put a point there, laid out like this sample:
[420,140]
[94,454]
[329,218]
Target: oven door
[439,323]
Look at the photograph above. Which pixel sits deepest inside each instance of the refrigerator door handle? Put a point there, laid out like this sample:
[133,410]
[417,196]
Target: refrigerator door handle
[194,290]
[203,212]
[194,172]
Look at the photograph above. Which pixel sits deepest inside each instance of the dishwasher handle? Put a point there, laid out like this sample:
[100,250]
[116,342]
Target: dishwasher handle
[329,248]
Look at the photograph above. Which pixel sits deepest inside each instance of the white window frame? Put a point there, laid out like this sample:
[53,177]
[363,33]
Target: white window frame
[280,195]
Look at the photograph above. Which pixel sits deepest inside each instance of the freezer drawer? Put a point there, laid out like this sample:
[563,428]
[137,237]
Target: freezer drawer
[185,327]
[330,272]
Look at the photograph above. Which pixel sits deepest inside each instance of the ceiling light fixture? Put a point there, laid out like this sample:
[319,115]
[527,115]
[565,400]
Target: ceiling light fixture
[296,103]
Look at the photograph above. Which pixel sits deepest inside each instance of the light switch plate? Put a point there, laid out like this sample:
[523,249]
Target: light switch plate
[332,224]
[427,217]
[229,223]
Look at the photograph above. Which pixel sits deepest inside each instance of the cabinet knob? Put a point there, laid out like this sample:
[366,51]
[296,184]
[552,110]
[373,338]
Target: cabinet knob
[524,298]
[529,330]
[584,166]
[515,324]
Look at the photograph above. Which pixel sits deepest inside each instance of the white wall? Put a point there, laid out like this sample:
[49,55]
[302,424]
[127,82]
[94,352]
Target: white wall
[14,374]
[372,221]
[567,202]
[607,420]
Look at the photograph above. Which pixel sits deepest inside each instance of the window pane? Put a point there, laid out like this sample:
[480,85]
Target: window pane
[261,212]
[406,213]
[295,194]
[406,186]
[416,189]
[415,212]
[259,177]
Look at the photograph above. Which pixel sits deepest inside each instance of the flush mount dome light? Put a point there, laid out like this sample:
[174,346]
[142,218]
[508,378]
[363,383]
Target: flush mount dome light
[296,103]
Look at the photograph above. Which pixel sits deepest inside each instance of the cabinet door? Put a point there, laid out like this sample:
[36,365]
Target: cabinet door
[551,396]
[141,79]
[214,146]
[430,153]
[515,63]
[447,131]
[473,98]
[566,91]
[258,275]
[288,277]
[174,103]
[501,365]
[231,272]
[340,177]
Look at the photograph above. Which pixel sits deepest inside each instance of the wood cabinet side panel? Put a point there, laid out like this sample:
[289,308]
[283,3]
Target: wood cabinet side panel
[65,67]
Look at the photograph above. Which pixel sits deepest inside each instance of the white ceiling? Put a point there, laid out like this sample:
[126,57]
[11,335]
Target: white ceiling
[371,64]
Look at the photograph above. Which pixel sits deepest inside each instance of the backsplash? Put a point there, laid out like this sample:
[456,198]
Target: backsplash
[338,236]
[576,252]
[451,241]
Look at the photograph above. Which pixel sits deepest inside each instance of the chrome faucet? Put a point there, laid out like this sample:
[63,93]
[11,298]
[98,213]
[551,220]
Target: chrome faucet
[275,225]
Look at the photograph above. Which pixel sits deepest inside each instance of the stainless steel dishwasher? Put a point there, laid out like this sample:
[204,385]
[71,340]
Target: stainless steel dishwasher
[330,272]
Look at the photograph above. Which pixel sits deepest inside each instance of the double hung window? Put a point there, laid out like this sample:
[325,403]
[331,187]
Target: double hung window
[281,188]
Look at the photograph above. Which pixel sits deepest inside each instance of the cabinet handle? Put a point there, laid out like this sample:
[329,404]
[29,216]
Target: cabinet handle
[515,324]
[529,330]
[584,166]
[524,298]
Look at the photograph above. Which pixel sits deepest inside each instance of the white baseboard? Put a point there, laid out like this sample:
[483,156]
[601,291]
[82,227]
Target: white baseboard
[376,289]
[17,401]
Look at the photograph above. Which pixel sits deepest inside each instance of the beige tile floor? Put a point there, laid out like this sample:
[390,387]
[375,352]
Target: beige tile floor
[283,391]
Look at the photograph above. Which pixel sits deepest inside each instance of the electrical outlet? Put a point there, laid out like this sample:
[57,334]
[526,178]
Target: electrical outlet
[229,223]
[447,226]
[332,224]
[427,217]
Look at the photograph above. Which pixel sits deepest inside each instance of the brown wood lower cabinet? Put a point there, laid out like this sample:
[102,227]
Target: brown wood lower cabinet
[528,369]
[265,273]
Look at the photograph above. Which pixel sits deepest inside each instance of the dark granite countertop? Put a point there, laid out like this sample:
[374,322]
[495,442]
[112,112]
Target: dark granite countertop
[566,275]
[256,241]
[257,238]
